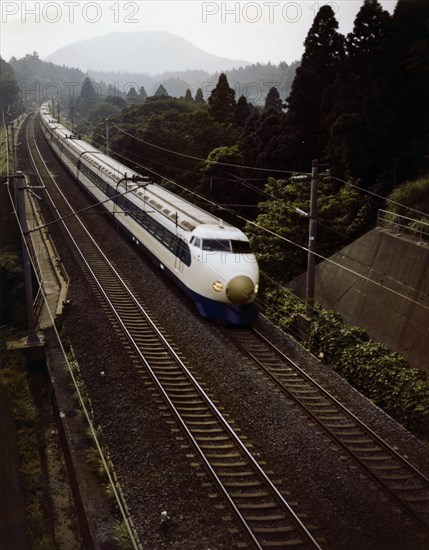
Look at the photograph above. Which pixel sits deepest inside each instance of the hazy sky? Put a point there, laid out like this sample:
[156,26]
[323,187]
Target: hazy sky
[252,31]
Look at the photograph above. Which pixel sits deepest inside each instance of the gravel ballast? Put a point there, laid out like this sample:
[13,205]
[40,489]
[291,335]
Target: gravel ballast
[155,468]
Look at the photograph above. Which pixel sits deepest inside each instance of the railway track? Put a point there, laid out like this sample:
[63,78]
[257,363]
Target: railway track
[399,479]
[263,516]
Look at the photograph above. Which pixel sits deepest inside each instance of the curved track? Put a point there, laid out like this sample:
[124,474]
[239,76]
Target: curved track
[408,487]
[263,516]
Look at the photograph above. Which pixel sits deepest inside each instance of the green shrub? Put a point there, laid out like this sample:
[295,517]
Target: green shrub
[371,368]
[283,308]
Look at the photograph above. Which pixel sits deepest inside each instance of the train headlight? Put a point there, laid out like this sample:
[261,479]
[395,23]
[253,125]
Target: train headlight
[218,286]
[240,290]
[256,289]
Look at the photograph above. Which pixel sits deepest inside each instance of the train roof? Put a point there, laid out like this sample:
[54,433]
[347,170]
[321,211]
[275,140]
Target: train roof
[189,216]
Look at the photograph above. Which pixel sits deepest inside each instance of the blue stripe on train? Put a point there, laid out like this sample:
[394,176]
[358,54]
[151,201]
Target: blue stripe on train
[230,314]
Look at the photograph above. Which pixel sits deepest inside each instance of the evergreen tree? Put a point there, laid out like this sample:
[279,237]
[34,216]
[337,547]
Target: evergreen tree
[273,100]
[354,142]
[112,90]
[199,98]
[161,92]
[88,98]
[242,111]
[188,96]
[305,129]
[132,97]
[271,148]
[369,32]
[249,140]
[222,101]
[405,90]
[142,94]
[10,102]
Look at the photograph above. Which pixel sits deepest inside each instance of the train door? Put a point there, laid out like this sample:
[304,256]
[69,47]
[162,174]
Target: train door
[182,255]
[178,260]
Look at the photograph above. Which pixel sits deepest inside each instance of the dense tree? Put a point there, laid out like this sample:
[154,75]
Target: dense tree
[88,98]
[219,182]
[161,91]
[199,98]
[273,100]
[188,96]
[97,118]
[342,215]
[116,100]
[174,125]
[305,128]
[242,111]
[132,96]
[403,91]
[142,94]
[271,148]
[377,110]
[39,80]
[355,126]
[248,138]
[222,101]
[369,33]
[10,100]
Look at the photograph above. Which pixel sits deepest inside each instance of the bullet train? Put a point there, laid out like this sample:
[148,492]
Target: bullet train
[210,260]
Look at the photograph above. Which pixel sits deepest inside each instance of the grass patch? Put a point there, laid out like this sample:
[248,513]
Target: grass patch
[13,375]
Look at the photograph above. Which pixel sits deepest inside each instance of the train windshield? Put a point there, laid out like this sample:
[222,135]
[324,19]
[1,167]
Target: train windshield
[241,247]
[223,245]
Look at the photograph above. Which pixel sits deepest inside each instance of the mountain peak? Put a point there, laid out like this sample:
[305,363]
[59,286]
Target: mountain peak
[152,52]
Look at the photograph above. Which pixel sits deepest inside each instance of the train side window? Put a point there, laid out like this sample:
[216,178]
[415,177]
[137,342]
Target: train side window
[197,242]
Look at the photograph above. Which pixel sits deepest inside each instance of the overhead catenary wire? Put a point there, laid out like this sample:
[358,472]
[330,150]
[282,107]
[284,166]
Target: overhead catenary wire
[207,160]
[273,233]
[178,153]
[271,170]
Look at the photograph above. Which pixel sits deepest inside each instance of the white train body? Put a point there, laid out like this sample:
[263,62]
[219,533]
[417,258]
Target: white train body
[209,259]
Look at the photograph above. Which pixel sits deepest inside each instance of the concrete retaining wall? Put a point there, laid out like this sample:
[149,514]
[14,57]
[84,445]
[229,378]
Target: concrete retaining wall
[394,310]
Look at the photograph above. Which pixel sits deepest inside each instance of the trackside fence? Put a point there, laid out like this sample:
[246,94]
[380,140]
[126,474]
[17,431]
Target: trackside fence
[403,225]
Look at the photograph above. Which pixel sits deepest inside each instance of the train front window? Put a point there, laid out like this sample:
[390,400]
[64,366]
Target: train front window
[216,245]
[223,245]
[241,247]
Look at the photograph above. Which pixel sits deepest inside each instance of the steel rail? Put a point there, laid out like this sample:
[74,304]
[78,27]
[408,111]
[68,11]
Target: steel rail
[299,525]
[330,432]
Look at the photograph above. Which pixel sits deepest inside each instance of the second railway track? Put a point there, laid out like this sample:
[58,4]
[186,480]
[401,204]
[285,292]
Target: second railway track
[406,485]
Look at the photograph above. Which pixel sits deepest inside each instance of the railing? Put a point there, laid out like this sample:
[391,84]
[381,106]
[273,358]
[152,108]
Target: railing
[402,225]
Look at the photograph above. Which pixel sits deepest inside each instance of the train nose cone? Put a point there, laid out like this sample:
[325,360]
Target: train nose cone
[240,290]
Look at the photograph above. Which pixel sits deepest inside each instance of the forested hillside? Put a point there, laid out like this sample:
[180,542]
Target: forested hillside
[40,80]
[253,81]
[358,103]
[10,101]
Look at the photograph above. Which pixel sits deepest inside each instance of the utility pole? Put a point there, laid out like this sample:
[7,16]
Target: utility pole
[59,114]
[20,188]
[311,260]
[107,137]
[12,138]
[72,118]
